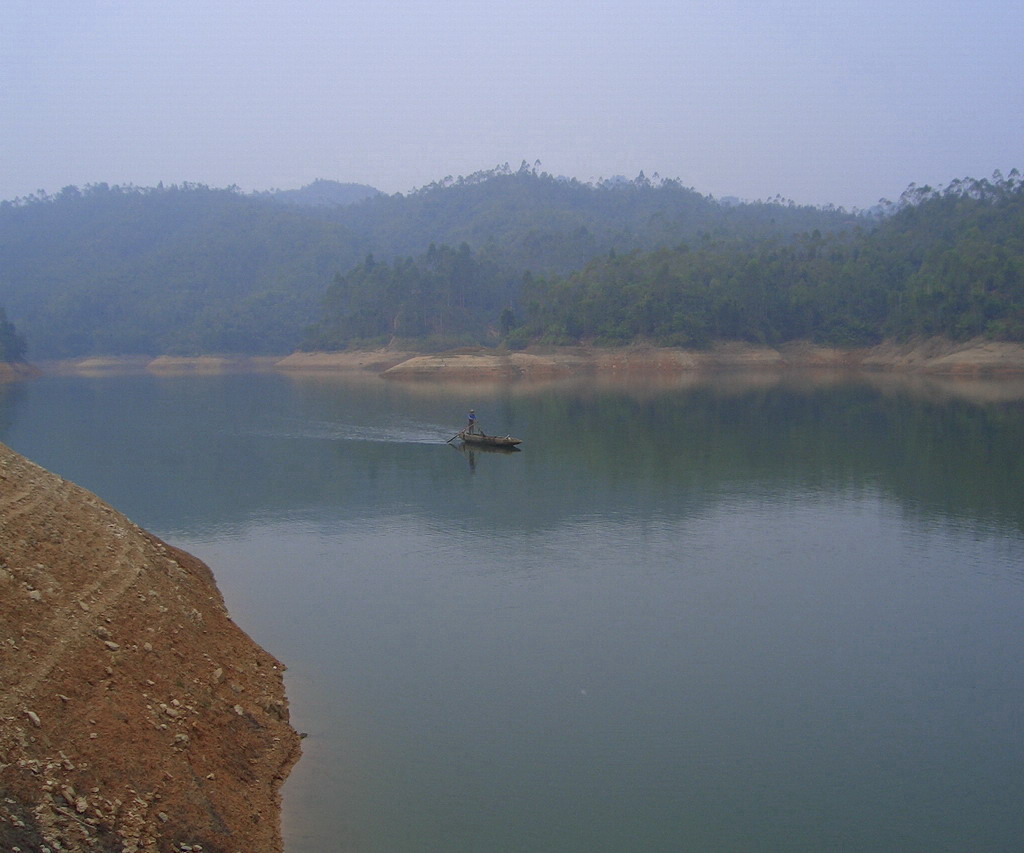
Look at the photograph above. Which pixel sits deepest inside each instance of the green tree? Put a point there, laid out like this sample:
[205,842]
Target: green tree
[12,345]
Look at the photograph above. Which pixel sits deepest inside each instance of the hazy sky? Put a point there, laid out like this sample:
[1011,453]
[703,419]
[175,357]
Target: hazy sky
[841,101]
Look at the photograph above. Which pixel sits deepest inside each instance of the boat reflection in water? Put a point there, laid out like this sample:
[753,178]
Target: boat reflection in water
[470,449]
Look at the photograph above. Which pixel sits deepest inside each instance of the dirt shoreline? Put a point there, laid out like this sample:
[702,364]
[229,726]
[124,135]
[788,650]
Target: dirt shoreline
[976,358]
[135,715]
[979,357]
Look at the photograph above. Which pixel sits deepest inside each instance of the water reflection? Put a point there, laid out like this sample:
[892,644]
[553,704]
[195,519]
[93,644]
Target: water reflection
[472,452]
[640,386]
[249,446]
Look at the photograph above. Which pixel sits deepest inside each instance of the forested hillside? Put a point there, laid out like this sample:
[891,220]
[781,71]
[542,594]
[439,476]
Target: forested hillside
[184,269]
[190,269]
[500,257]
[526,220]
[948,262]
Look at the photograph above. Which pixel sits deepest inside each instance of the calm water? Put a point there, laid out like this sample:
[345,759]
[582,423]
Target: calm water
[737,616]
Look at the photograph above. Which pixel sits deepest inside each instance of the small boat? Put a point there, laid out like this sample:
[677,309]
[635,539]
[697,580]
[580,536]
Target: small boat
[489,440]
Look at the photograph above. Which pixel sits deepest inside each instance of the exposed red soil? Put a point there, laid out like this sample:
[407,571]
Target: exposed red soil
[134,714]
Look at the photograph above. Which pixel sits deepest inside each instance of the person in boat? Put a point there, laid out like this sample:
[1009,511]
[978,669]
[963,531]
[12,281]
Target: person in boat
[471,422]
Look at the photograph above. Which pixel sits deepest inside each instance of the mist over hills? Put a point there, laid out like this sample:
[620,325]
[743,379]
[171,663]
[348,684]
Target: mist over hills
[502,256]
[324,193]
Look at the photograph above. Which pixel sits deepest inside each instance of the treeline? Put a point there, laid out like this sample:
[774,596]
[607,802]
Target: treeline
[502,256]
[189,269]
[947,262]
[446,297]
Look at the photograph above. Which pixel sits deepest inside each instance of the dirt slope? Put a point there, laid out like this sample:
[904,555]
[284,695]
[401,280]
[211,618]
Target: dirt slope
[134,715]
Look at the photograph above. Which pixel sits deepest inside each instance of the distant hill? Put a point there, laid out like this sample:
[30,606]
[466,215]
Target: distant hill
[324,193]
[189,269]
[180,270]
[945,263]
[502,256]
[948,263]
[533,221]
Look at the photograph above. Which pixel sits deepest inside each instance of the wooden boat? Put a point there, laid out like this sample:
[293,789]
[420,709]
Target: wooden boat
[489,440]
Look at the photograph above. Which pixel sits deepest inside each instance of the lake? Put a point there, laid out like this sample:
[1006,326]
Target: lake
[730,613]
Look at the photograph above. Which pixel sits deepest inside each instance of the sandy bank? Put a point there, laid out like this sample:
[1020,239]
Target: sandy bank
[163,365]
[937,356]
[368,361]
[208,364]
[373,361]
[931,356]
[934,356]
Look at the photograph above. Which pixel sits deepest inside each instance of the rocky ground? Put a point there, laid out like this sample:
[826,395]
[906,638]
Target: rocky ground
[134,714]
